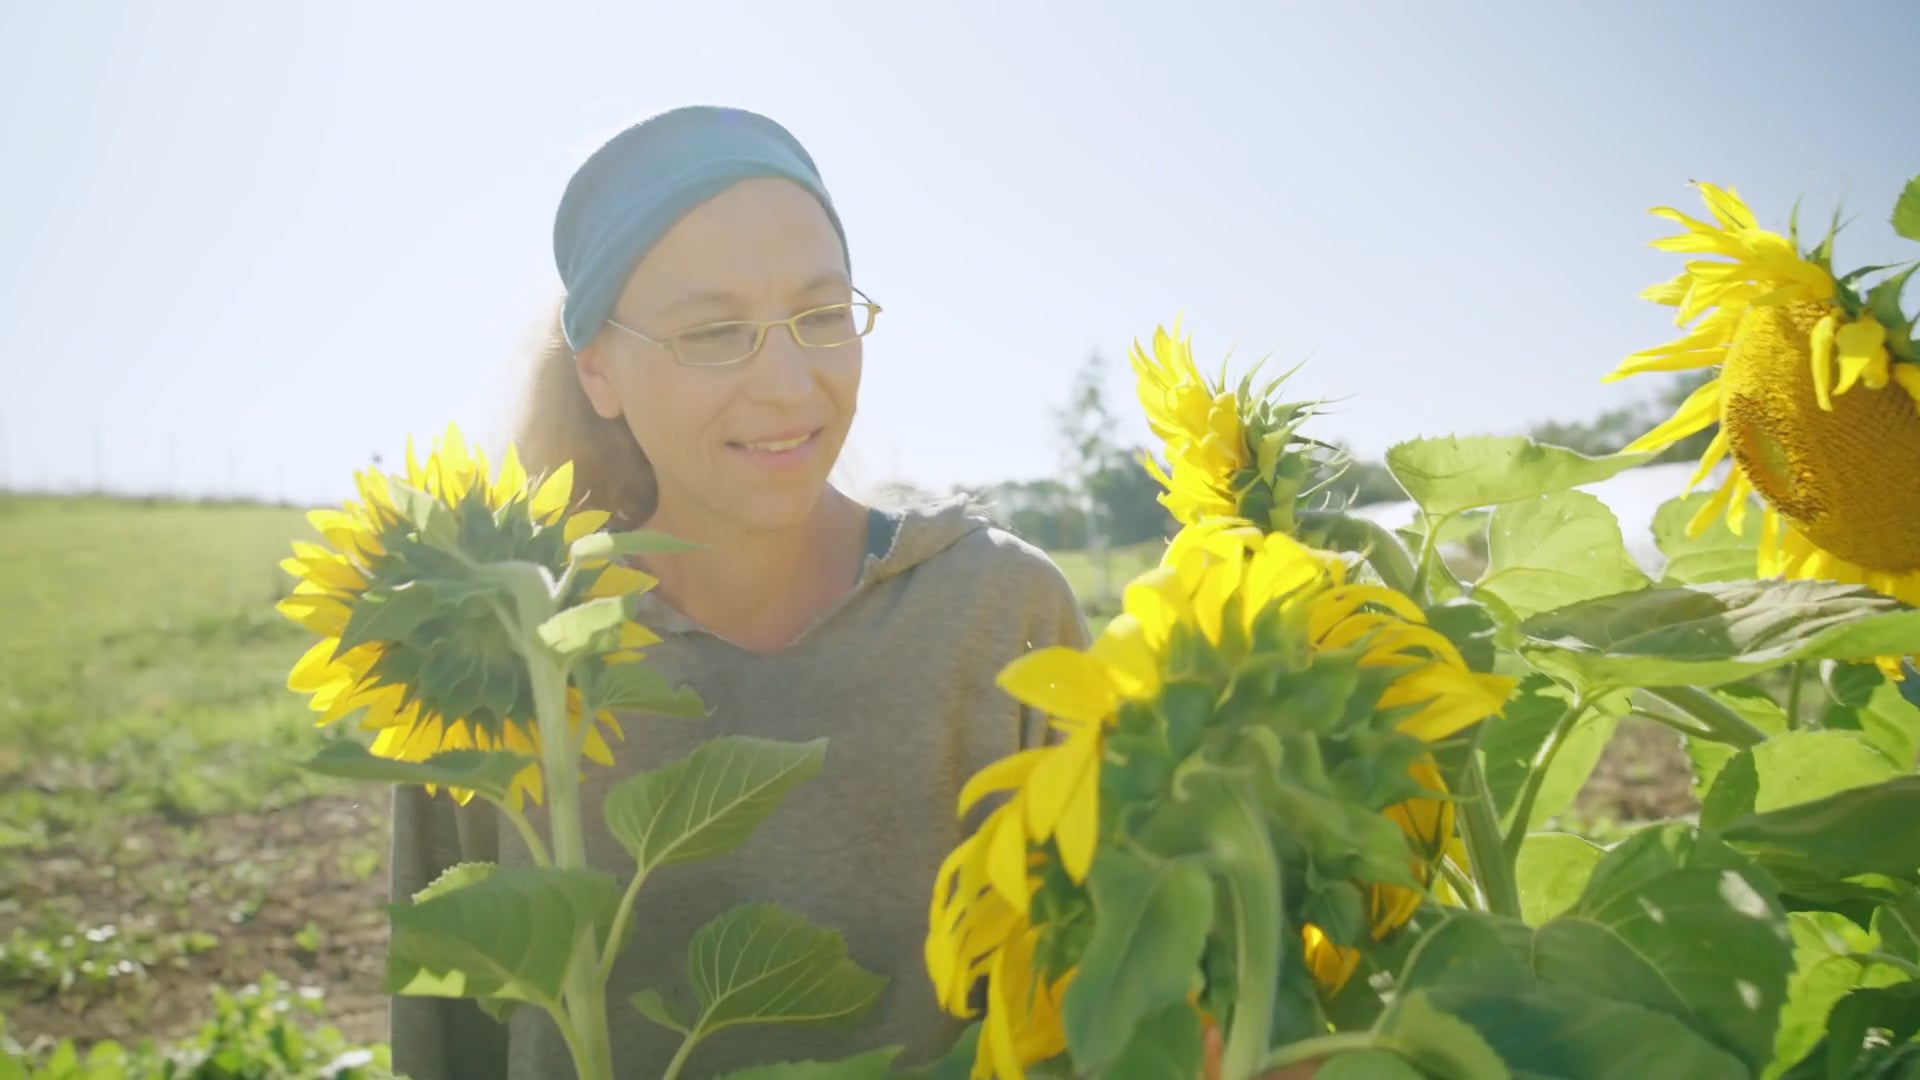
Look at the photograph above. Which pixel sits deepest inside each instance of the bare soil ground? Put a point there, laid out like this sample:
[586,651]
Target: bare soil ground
[134,931]
[298,892]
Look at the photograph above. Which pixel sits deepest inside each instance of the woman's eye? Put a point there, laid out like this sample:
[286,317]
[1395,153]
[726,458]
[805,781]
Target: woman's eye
[710,334]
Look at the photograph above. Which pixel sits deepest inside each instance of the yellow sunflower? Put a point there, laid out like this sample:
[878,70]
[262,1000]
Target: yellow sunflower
[1428,825]
[1816,398]
[1451,696]
[433,675]
[1198,421]
[1220,578]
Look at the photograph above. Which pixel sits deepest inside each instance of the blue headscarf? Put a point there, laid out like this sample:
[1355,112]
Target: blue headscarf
[632,190]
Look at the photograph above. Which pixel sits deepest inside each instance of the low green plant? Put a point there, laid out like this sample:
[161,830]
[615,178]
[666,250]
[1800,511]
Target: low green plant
[266,1031]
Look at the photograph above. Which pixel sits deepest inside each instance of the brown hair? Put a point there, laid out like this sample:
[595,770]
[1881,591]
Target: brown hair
[558,425]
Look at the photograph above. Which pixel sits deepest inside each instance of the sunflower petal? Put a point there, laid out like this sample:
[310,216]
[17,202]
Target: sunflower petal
[1004,775]
[585,523]
[1907,377]
[1701,410]
[1061,682]
[512,482]
[617,580]
[1129,657]
[554,494]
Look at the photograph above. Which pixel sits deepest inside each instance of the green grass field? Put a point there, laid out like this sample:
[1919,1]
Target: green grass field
[143,662]
[157,839]
[156,836]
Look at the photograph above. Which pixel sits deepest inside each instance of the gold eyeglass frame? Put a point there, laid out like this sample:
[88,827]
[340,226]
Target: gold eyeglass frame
[791,322]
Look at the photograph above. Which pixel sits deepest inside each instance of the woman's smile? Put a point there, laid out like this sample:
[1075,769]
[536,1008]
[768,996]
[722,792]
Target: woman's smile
[792,450]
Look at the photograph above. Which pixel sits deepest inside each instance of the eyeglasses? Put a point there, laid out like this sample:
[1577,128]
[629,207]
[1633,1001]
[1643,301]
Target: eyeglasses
[719,344]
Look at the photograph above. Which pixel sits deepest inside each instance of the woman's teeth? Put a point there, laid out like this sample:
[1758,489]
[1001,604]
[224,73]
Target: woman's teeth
[776,447]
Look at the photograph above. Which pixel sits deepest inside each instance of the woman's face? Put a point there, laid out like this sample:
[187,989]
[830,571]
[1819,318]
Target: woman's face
[750,443]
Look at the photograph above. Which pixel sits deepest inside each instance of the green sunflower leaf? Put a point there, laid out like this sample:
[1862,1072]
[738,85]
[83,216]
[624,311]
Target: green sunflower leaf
[1371,1065]
[1715,632]
[530,585]
[1164,1046]
[1151,925]
[1554,1031]
[591,627]
[707,803]
[1715,555]
[1802,766]
[1470,627]
[650,1004]
[1883,302]
[486,772]
[1552,870]
[1444,1047]
[436,523]
[389,614]
[1830,959]
[1448,475]
[1893,1010]
[1681,930]
[1470,948]
[872,1065]
[606,545]
[1512,739]
[1548,551]
[508,935]
[1681,924]
[1790,771]
[1863,699]
[1844,834]
[640,688]
[760,964]
[1906,211]
[1709,756]
[457,876]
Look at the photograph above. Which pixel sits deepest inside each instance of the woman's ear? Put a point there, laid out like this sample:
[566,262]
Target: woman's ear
[589,364]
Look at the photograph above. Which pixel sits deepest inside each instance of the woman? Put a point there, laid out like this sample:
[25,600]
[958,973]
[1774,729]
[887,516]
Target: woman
[703,380]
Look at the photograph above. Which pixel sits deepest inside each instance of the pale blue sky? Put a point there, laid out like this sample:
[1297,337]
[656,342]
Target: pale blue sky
[245,245]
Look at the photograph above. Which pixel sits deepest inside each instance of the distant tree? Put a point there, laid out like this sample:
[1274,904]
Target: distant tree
[1129,499]
[1086,436]
[1363,483]
[1041,512]
[1615,428]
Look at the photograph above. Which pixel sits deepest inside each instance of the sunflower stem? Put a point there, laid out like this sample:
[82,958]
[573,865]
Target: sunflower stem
[680,1057]
[567,1036]
[1253,886]
[1537,777]
[1674,723]
[587,1006]
[1318,1047]
[1486,853]
[1429,557]
[559,759]
[620,916]
[1382,550]
[1462,885]
[1899,963]
[584,994]
[1905,909]
[1722,723]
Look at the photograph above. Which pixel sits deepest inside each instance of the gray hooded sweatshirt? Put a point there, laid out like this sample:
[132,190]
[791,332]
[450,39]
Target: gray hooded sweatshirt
[899,677]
